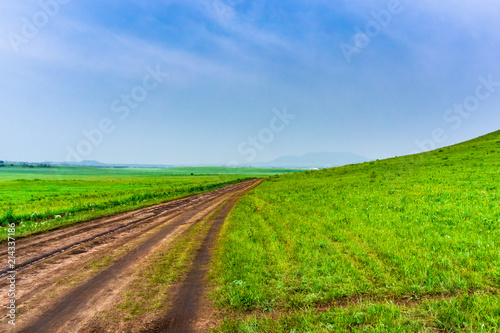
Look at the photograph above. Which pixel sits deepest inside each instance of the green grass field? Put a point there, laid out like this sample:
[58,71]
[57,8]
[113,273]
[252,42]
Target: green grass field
[41,199]
[409,244]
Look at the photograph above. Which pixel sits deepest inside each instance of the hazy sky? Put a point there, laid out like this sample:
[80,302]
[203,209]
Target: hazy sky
[195,81]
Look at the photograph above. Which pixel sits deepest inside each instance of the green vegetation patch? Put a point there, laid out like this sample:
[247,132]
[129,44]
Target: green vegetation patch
[414,226]
[470,313]
[42,199]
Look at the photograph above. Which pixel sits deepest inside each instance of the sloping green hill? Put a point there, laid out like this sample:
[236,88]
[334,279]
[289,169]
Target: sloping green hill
[404,244]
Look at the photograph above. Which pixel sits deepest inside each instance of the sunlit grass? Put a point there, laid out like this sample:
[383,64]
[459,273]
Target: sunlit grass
[419,225]
[43,199]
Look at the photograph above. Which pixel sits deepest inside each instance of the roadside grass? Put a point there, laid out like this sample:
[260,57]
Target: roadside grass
[42,199]
[470,313]
[57,204]
[414,226]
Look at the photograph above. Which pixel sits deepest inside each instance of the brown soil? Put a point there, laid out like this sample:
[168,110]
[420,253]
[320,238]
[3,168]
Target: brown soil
[190,312]
[67,277]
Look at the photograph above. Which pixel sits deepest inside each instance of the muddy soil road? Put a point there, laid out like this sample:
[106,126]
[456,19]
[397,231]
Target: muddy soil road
[67,279]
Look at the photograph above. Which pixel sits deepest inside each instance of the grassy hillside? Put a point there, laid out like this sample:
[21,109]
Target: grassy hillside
[404,244]
[33,197]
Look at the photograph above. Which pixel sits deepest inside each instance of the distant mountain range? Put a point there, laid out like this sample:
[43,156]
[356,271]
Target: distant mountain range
[97,164]
[307,161]
[313,160]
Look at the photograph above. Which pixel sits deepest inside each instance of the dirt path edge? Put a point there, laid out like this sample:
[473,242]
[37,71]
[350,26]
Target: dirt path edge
[185,312]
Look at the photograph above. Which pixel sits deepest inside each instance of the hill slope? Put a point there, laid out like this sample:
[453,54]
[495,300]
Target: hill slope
[404,244]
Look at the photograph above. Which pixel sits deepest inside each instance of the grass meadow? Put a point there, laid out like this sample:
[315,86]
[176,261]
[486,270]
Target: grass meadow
[408,244]
[41,199]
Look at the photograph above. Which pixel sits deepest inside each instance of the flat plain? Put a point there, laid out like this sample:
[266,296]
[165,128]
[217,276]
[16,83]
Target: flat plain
[41,199]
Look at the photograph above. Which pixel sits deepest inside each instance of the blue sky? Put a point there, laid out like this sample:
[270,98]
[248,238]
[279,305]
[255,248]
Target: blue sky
[232,65]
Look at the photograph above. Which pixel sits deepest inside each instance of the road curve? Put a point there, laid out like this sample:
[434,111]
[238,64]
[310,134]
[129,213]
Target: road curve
[62,284]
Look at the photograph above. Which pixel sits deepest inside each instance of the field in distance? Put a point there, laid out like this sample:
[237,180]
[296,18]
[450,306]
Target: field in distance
[43,198]
[409,244]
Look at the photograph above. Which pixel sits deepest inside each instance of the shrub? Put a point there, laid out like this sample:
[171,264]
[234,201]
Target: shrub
[7,218]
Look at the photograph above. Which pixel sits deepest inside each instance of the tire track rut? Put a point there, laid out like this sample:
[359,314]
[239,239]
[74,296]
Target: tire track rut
[48,258]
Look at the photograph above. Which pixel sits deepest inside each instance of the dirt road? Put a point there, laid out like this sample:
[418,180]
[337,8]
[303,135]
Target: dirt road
[70,279]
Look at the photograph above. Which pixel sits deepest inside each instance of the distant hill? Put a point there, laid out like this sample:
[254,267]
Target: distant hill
[87,163]
[97,164]
[307,161]
[314,160]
